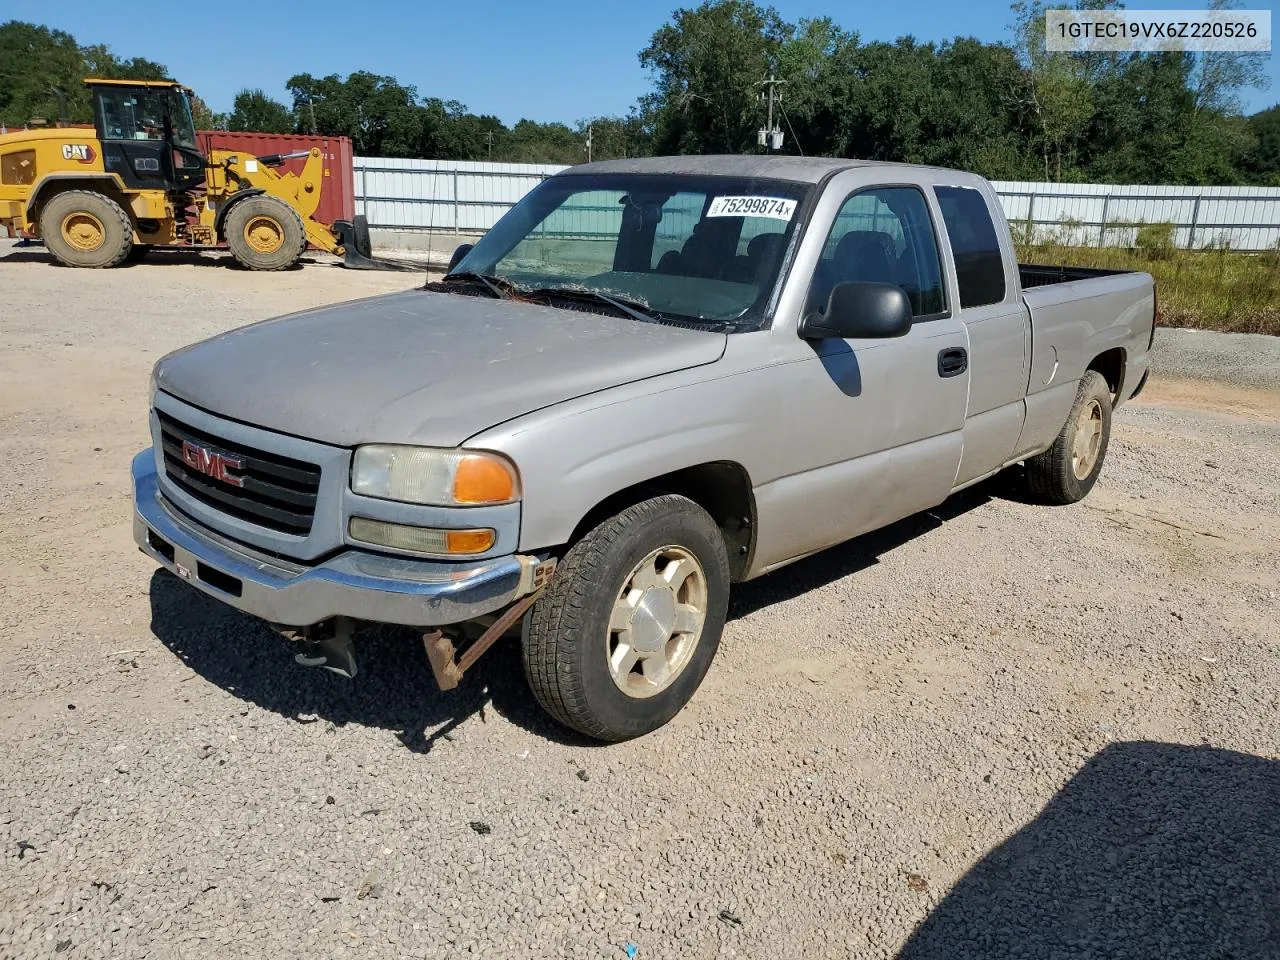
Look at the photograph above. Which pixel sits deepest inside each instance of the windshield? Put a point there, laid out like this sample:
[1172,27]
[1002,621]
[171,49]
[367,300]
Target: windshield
[695,248]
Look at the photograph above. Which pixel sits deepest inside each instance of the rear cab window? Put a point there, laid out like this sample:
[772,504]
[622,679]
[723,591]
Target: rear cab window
[975,245]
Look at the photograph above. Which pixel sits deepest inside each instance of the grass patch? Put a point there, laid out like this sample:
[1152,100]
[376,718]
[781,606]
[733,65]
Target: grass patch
[1214,289]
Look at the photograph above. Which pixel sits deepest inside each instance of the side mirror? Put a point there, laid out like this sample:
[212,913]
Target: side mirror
[860,311]
[458,254]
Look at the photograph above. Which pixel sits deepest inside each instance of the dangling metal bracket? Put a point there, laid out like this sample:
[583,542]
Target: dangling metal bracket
[441,654]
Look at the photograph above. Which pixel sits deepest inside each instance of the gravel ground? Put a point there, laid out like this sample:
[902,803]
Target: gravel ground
[993,730]
[1246,359]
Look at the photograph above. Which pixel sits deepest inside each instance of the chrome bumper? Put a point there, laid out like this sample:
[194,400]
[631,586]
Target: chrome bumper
[355,584]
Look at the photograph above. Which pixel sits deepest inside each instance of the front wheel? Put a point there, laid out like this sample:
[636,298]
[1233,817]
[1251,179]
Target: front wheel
[265,233]
[1067,471]
[629,624]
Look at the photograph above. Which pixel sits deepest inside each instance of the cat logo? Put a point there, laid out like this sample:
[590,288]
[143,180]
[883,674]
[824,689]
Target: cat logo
[81,152]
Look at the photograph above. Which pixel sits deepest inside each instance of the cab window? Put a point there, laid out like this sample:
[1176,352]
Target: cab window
[149,113]
[883,235]
[132,114]
[974,245]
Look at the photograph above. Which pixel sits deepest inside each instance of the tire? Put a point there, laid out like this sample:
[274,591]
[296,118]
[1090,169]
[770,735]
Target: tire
[572,634]
[1055,475]
[265,233]
[86,229]
[364,245]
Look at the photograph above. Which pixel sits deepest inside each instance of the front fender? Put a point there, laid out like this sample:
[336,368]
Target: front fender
[51,184]
[574,455]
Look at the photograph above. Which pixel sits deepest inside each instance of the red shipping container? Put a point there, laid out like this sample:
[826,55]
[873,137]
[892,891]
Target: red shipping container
[337,194]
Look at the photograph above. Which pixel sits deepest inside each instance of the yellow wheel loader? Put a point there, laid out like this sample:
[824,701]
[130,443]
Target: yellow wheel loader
[137,180]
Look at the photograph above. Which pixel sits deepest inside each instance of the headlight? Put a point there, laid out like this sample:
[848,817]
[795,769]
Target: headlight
[441,478]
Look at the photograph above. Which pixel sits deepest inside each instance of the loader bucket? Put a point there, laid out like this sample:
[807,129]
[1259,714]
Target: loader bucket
[358,252]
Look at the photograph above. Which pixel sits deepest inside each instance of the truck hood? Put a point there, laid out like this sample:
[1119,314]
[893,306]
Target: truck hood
[420,367]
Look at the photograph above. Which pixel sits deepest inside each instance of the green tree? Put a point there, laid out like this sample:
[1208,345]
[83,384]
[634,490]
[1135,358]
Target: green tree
[1055,90]
[450,132]
[814,62]
[616,137]
[101,62]
[1141,112]
[254,111]
[35,60]
[1009,112]
[706,66]
[973,123]
[1217,77]
[880,100]
[381,116]
[532,142]
[1263,161]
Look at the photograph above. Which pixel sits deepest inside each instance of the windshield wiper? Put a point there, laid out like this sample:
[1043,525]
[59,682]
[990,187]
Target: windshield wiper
[630,307]
[500,287]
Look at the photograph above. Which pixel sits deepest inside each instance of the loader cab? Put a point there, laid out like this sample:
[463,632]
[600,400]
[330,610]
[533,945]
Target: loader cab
[148,136]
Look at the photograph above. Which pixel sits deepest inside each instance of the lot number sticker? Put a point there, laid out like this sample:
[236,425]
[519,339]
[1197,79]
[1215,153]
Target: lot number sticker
[779,208]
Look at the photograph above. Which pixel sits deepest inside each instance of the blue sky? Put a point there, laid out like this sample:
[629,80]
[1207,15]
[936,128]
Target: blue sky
[549,60]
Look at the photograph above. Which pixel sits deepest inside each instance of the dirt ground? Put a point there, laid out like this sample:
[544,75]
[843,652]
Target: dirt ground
[993,730]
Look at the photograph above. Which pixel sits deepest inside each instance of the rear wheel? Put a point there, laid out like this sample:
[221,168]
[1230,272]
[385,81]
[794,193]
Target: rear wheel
[265,233]
[629,624]
[1067,471]
[86,229]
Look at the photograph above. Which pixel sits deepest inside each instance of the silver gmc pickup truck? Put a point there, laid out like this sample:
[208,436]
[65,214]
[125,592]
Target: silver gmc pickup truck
[651,379]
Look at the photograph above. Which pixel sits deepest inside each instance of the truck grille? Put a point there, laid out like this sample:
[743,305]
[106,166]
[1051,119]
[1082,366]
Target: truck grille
[278,493]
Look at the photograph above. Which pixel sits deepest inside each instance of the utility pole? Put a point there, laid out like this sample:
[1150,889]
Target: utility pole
[488,136]
[311,102]
[588,143]
[770,136]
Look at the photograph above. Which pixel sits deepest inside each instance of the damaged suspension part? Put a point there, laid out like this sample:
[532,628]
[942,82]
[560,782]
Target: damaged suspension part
[328,644]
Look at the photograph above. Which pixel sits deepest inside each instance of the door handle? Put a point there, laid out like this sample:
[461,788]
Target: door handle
[953,361]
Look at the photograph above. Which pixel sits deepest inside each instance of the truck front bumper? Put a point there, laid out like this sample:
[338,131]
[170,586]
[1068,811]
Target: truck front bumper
[353,583]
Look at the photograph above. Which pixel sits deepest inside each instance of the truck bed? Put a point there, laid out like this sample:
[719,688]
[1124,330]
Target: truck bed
[1079,314]
[1042,275]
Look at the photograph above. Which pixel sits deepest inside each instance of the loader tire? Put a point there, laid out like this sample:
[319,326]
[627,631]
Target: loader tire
[1067,471]
[86,229]
[265,233]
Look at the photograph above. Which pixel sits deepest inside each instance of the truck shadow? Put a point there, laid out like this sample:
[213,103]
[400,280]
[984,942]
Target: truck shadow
[849,558]
[394,689]
[1150,850]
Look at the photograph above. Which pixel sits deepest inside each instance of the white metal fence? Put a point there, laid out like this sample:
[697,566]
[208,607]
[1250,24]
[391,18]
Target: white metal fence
[1107,215]
[455,196]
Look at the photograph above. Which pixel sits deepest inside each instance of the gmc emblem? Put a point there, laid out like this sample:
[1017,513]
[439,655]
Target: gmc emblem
[211,463]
